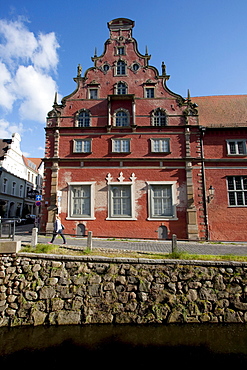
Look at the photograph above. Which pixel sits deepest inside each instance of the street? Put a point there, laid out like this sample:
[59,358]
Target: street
[23,233]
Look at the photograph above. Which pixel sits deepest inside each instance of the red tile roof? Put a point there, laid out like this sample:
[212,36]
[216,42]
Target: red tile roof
[222,110]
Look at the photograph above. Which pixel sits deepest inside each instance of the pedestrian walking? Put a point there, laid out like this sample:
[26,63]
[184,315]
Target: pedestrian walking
[58,229]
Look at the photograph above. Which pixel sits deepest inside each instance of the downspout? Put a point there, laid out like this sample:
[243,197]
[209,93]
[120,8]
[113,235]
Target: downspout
[205,205]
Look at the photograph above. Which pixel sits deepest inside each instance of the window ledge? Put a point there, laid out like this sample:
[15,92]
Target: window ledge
[121,219]
[162,219]
[80,218]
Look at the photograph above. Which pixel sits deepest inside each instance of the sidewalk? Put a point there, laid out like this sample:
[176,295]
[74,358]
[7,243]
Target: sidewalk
[158,246]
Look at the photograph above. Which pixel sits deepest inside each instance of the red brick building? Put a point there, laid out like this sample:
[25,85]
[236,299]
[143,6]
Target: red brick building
[127,157]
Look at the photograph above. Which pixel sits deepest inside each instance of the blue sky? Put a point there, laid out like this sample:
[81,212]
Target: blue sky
[202,42]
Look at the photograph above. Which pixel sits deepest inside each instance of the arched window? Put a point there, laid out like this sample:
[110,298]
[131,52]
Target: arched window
[83,118]
[121,68]
[159,117]
[121,88]
[121,118]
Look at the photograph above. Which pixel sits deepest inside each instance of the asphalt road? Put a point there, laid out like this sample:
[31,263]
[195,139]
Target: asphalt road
[23,233]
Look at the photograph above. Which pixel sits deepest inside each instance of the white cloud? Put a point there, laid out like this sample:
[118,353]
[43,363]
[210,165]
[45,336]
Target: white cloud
[27,64]
[35,92]
[7,98]
[7,129]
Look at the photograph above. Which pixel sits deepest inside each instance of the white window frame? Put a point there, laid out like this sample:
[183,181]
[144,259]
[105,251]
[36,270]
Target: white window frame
[161,143]
[146,92]
[172,185]
[235,142]
[120,89]
[83,142]
[238,191]
[70,215]
[93,93]
[121,141]
[84,119]
[111,215]
[119,69]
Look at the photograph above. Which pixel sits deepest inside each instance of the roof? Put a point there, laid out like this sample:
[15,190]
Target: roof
[222,110]
[32,163]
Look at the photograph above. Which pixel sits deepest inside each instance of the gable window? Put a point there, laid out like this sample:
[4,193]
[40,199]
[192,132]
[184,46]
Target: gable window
[160,145]
[236,147]
[121,68]
[121,50]
[82,146]
[93,93]
[121,145]
[149,92]
[159,118]
[83,119]
[81,200]
[121,88]
[161,200]
[237,190]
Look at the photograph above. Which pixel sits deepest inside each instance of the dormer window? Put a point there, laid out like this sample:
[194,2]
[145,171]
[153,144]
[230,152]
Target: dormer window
[121,68]
[149,92]
[83,118]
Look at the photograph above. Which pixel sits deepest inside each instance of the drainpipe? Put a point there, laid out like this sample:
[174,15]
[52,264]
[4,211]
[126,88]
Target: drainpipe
[205,205]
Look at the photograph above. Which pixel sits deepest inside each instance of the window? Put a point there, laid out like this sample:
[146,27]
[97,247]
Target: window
[236,147]
[82,146]
[161,200]
[121,68]
[81,198]
[13,188]
[121,88]
[93,93]
[21,191]
[237,190]
[120,201]
[121,118]
[149,92]
[159,118]
[160,145]
[106,67]
[121,145]
[83,119]
[5,183]
[121,50]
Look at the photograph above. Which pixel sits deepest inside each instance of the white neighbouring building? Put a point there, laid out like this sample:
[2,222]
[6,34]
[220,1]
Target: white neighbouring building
[20,180]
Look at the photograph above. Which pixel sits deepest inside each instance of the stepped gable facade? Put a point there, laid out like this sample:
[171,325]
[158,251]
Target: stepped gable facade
[126,157]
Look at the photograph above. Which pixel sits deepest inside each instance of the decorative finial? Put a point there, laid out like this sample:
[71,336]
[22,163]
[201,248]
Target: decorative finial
[95,52]
[55,99]
[188,97]
[146,50]
[79,70]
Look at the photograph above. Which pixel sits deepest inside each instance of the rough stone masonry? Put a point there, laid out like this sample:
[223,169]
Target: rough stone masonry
[40,289]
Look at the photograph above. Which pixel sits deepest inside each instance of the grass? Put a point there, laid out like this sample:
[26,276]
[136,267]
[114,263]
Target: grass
[56,249]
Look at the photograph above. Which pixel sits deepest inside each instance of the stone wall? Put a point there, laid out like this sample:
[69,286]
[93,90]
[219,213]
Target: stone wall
[40,289]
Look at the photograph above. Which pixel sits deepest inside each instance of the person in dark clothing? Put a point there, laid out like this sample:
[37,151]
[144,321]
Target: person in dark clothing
[58,229]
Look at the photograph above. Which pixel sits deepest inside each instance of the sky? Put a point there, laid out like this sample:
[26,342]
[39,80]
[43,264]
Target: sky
[202,42]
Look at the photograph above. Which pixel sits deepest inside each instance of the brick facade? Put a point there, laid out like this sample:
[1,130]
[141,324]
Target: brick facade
[126,157]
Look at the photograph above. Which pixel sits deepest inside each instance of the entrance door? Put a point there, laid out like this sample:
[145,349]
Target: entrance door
[162,232]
